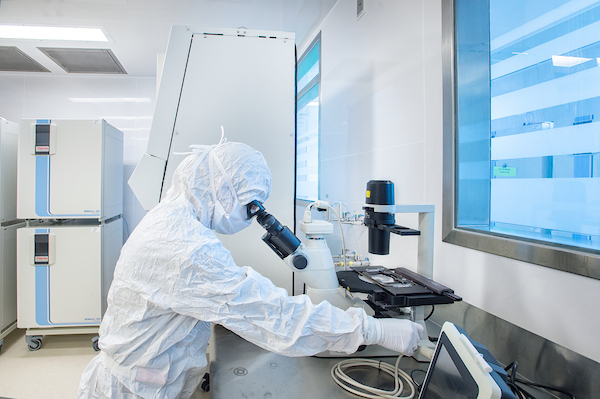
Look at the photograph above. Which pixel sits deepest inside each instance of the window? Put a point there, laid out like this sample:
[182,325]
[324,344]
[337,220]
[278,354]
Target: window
[521,132]
[307,123]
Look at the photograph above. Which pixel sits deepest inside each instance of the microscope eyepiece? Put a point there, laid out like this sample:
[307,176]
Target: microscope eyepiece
[267,221]
[254,208]
[281,240]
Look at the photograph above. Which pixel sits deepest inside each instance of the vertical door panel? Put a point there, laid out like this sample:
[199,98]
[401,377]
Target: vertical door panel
[246,85]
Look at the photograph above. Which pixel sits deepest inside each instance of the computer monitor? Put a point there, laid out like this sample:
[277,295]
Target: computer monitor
[463,369]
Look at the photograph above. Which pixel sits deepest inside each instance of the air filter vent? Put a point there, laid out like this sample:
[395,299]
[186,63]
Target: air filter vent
[84,60]
[13,59]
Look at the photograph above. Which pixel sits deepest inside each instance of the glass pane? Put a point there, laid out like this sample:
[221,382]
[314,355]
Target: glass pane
[308,68]
[543,144]
[473,116]
[307,146]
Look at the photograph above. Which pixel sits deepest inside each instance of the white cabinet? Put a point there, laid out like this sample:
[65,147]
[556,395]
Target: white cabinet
[64,273]
[69,169]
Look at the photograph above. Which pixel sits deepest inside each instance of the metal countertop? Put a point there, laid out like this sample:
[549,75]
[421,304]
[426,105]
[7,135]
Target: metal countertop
[243,370]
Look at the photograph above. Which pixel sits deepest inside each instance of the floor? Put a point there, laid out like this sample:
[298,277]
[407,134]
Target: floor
[52,372]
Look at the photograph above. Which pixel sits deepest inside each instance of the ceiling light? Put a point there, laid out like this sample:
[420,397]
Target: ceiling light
[566,61]
[127,117]
[52,33]
[111,100]
[133,129]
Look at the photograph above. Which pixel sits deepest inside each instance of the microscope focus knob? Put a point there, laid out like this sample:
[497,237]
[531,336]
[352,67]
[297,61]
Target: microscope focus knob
[299,261]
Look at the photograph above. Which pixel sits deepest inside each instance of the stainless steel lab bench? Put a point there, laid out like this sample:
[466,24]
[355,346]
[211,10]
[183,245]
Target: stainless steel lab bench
[240,369]
[243,370]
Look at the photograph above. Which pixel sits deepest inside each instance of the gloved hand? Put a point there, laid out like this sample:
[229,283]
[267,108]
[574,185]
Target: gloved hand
[393,334]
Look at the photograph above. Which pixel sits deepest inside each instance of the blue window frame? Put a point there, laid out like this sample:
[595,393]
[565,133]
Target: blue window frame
[308,122]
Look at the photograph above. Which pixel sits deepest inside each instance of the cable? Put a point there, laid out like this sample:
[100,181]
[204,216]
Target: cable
[511,371]
[126,228]
[364,391]
[533,384]
[324,204]
[430,313]
[342,234]
[413,378]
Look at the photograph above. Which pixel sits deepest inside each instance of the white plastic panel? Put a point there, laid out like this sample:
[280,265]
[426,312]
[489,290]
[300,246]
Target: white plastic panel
[246,85]
[168,93]
[112,170]
[112,241]
[8,173]
[146,180]
[8,275]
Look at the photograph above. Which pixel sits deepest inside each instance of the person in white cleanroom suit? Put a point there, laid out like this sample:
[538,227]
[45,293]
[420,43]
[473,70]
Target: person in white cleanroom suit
[175,277]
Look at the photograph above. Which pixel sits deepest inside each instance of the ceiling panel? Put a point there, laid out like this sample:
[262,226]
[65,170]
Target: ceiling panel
[14,60]
[84,60]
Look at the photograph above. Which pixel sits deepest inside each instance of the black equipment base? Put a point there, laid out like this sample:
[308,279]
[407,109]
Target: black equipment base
[389,289]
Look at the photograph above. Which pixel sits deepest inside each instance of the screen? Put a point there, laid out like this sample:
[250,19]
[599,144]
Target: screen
[42,135]
[41,245]
[447,376]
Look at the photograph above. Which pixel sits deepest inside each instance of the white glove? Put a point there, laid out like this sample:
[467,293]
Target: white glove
[393,334]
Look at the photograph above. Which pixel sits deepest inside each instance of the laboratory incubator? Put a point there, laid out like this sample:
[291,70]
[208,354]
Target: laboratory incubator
[64,273]
[70,192]
[8,227]
[69,168]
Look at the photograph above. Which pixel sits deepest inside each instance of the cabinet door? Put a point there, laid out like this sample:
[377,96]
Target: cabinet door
[75,169]
[59,276]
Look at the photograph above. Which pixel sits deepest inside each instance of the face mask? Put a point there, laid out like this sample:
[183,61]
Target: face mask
[223,222]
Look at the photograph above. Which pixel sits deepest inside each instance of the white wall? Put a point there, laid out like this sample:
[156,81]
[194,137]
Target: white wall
[381,118]
[47,96]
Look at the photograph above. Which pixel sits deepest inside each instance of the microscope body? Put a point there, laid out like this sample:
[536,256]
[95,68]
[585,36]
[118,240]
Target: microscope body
[319,271]
[312,261]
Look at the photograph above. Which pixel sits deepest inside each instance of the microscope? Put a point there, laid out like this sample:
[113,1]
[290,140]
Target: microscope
[397,292]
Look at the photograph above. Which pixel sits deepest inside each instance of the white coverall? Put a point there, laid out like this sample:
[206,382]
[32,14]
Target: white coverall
[174,278]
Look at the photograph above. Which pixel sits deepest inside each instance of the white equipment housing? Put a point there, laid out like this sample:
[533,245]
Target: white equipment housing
[8,230]
[458,369]
[69,169]
[242,80]
[64,273]
[9,133]
[8,279]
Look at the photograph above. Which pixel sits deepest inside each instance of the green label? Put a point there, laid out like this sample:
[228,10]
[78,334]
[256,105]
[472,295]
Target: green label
[505,172]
